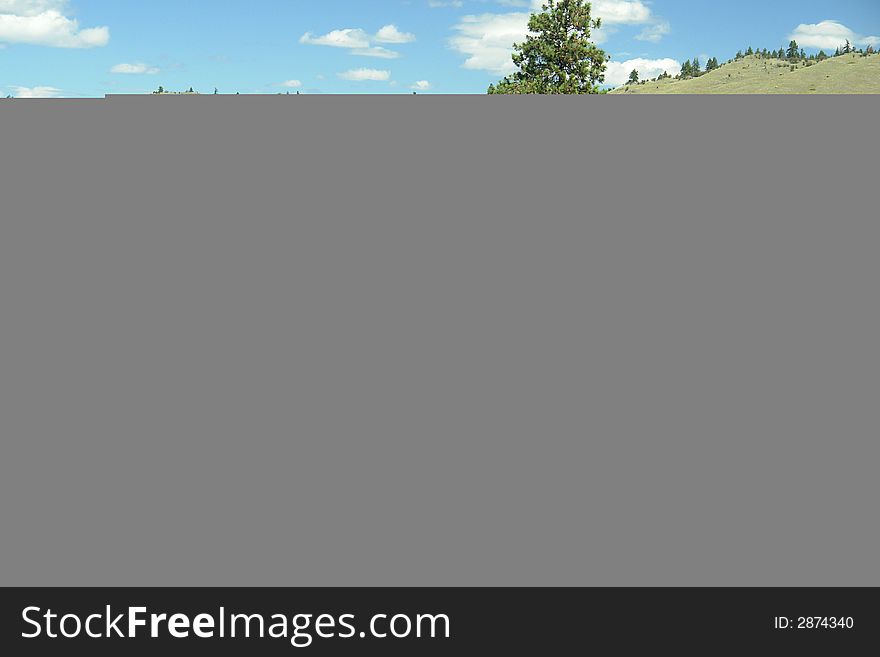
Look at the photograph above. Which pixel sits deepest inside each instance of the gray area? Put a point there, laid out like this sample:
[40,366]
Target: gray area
[439,341]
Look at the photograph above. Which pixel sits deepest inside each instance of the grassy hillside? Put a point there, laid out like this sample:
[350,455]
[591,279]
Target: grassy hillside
[847,74]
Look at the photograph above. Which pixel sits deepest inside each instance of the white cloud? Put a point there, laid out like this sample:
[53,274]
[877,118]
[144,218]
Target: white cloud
[45,23]
[134,69]
[292,84]
[376,51]
[488,40]
[359,42]
[617,73]
[421,85]
[654,33]
[366,75]
[828,35]
[36,92]
[390,34]
[347,38]
[621,12]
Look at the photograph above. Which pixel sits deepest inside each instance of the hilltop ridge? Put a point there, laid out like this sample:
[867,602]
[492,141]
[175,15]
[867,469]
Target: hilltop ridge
[847,74]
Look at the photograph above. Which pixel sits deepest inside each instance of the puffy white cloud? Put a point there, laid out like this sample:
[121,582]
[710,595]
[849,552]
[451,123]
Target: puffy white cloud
[617,73]
[366,75]
[134,69]
[622,12]
[655,32]
[359,42]
[390,34]
[45,23]
[347,38]
[36,92]
[488,40]
[421,85]
[828,35]
[376,51]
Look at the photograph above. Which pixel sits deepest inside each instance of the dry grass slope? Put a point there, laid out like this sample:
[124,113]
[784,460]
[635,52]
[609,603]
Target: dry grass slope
[847,74]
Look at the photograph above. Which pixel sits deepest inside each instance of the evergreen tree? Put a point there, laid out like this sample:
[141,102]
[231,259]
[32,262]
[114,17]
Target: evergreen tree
[821,56]
[793,50]
[739,54]
[847,49]
[557,56]
[696,67]
[750,51]
[633,77]
[803,54]
[687,70]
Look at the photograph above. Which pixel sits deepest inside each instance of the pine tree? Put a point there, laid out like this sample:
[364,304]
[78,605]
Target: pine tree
[633,77]
[739,54]
[696,68]
[793,50]
[750,51]
[557,56]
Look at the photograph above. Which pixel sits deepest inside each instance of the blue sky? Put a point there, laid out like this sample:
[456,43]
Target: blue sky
[87,48]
